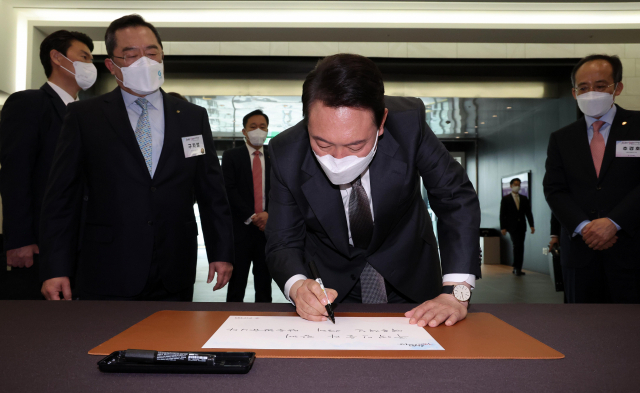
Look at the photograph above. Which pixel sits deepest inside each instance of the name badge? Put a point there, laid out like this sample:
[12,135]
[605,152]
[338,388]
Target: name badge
[193,146]
[627,148]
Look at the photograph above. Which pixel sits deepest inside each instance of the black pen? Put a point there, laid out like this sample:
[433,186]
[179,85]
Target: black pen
[316,274]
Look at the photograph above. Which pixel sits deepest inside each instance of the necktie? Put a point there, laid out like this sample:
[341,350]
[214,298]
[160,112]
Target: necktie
[597,146]
[257,183]
[143,132]
[361,225]
[517,199]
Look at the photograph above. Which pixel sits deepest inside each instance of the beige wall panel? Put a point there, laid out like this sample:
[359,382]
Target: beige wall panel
[549,50]
[482,51]
[432,50]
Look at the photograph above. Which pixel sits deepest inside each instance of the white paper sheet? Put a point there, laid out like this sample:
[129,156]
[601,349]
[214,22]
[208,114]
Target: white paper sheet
[349,333]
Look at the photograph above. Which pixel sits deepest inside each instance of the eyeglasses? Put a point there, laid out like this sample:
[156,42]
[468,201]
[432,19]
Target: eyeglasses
[132,57]
[600,88]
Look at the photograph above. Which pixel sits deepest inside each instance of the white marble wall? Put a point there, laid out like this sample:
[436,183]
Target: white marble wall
[629,53]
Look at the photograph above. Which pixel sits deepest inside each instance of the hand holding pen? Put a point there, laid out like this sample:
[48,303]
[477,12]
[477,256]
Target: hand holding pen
[310,299]
[328,305]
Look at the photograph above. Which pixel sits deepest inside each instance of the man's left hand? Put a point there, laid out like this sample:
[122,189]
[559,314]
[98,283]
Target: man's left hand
[533,230]
[598,233]
[444,308]
[223,269]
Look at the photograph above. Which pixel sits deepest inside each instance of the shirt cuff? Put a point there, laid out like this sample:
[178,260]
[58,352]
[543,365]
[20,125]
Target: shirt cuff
[554,236]
[455,277]
[289,284]
[249,219]
[614,223]
[581,226]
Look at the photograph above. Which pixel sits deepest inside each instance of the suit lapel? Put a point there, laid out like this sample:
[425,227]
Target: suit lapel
[267,175]
[117,116]
[58,104]
[387,175]
[617,132]
[326,202]
[172,125]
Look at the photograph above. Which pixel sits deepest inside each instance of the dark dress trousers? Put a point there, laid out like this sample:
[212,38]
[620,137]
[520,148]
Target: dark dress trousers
[308,221]
[138,230]
[576,194]
[249,240]
[514,220]
[29,127]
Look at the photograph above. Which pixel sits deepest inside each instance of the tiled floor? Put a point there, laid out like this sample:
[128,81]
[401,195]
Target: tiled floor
[498,285]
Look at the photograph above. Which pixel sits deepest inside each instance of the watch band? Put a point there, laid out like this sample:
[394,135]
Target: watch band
[448,289]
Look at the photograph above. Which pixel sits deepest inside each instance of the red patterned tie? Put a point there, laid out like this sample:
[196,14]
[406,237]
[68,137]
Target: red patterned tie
[257,183]
[597,146]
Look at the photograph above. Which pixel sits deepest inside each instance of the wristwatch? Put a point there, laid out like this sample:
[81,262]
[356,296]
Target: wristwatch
[460,292]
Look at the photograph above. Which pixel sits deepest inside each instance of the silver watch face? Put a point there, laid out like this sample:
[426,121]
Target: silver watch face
[462,293]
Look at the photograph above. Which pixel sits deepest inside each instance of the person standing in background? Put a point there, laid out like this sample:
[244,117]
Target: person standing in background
[30,124]
[246,175]
[515,209]
[592,185]
[142,155]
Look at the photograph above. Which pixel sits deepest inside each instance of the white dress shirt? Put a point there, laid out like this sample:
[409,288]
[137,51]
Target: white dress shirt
[607,118]
[64,96]
[155,108]
[264,197]
[345,191]
[516,199]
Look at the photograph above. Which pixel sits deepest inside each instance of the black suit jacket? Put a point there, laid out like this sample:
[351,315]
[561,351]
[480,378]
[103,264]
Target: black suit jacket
[29,128]
[238,179]
[513,219]
[575,194]
[132,218]
[308,222]
[555,227]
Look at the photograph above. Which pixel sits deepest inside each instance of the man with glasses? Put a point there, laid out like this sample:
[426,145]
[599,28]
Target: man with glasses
[246,175]
[142,155]
[592,184]
[29,129]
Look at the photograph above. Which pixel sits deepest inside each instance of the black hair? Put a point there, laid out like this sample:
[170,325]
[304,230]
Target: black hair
[61,41]
[345,80]
[251,114]
[514,180]
[177,95]
[133,20]
[615,62]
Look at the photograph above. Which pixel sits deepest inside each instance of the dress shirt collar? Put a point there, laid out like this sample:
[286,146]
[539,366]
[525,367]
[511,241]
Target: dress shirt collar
[64,96]
[252,149]
[155,99]
[607,117]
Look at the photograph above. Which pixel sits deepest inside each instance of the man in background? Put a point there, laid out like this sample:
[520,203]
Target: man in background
[246,175]
[515,209]
[592,185]
[29,128]
[142,155]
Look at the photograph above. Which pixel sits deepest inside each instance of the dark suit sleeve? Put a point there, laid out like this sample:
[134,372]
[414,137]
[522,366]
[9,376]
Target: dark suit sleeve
[454,200]
[213,205]
[503,214]
[556,189]
[19,138]
[230,171]
[627,212]
[285,231]
[62,205]
[529,214]
[555,226]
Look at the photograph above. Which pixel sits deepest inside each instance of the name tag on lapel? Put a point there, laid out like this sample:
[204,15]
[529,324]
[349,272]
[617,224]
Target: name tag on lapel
[193,146]
[627,148]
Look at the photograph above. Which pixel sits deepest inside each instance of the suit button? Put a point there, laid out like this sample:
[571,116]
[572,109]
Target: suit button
[153,189]
[353,277]
[150,223]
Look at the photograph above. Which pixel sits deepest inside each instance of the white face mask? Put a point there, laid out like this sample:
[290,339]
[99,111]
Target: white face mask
[257,137]
[594,103]
[144,77]
[86,73]
[347,169]
[515,189]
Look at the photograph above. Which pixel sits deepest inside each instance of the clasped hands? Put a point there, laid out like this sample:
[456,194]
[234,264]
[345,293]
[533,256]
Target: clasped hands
[310,304]
[260,220]
[600,234]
